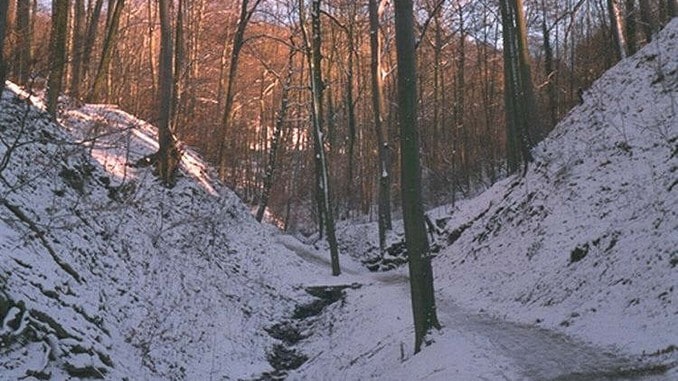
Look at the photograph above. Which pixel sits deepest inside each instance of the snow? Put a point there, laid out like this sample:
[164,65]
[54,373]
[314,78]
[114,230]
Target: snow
[174,283]
[566,273]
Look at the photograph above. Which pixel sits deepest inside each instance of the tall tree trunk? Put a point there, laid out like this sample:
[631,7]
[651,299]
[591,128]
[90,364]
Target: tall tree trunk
[107,53]
[90,37]
[76,47]
[519,97]
[4,5]
[646,20]
[167,160]
[416,241]
[378,107]
[238,41]
[58,37]
[616,27]
[459,101]
[179,59]
[277,136]
[24,42]
[350,110]
[671,9]
[314,57]
[630,25]
[151,46]
[549,70]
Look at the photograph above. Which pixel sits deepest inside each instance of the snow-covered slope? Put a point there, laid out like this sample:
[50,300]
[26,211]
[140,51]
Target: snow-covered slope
[585,244]
[586,241]
[105,273]
[570,272]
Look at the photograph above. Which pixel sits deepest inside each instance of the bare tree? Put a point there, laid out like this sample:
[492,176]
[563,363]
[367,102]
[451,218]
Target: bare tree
[277,136]
[617,30]
[90,36]
[416,241]
[22,58]
[238,42]
[519,91]
[314,58]
[77,47]
[114,13]
[168,157]
[58,37]
[4,5]
[378,109]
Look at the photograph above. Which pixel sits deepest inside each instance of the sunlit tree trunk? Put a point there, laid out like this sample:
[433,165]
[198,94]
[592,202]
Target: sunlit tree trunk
[616,27]
[378,109]
[519,97]
[349,101]
[418,251]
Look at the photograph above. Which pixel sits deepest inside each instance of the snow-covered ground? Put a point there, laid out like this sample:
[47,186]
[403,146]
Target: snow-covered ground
[568,273]
[584,245]
[105,273]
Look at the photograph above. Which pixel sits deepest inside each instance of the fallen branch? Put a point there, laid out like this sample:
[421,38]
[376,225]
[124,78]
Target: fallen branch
[41,236]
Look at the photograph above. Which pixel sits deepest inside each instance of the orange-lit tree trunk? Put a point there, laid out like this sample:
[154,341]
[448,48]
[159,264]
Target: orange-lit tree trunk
[378,109]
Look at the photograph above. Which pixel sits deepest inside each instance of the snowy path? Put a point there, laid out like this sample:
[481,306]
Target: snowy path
[527,352]
[540,354]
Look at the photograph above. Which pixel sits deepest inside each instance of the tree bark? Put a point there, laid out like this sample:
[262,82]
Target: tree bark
[58,37]
[23,48]
[314,57]
[95,94]
[384,175]
[90,37]
[648,25]
[275,143]
[238,42]
[416,241]
[77,47]
[179,59]
[4,5]
[549,70]
[167,160]
[630,25]
[519,97]
[616,27]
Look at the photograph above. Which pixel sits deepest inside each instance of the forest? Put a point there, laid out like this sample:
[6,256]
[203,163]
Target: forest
[193,189]
[241,95]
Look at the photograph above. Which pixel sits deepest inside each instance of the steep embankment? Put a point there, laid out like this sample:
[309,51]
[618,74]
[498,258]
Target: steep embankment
[584,245]
[586,241]
[105,273]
